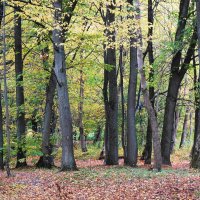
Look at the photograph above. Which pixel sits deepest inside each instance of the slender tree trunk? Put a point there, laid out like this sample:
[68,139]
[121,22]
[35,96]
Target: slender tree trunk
[7,131]
[123,135]
[106,105]
[146,155]
[174,133]
[68,161]
[1,133]
[97,135]
[80,111]
[46,160]
[132,148]
[1,112]
[195,162]
[34,121]
[196,99]
[147,102]
[185,128]
[152,117]
[148,147]
[21,125]
[111,139]
[83,140]
[191,127]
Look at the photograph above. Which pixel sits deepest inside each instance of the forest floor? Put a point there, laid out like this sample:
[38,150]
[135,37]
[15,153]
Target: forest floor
[93,180]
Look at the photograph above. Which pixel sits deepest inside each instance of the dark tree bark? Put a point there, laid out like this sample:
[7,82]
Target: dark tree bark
[185,128]
[80,112]
[132,148]
[7,123]
[21,125]
[148,147]
[97,135]
[68,161]
[191,127]
[178,71]
[106,105]
[1,134]
[146,155]
[34,122]
[1,114]
[174,132]
[111,95]
[195,162]
[123,134]
[173,88]
[46,160]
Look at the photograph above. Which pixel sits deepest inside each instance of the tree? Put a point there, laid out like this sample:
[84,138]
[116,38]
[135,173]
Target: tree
[68,161]
[132,149]
[175,127]
[80,110]
[147,102]
[185,128]
[7,129]
[75,55]
[110,90]
[177,73]
[21,125]
[1,114]
[195,162]
[148,147]
[123,112]
[46,160]
[1,134]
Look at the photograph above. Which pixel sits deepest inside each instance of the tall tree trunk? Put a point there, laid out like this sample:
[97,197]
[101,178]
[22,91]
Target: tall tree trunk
[123,134]
[106,105]
[1,133]
[80,112]
[111,139]
[147,102]
[178,71]
[174,83]
[68,161]
[21,125]
[7,131]
[152,116]
[195,162]
[185,128]
[1,114]
[148,147]
[132,148]
[46,160]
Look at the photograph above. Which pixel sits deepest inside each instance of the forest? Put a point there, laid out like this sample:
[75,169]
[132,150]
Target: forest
[99,99]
